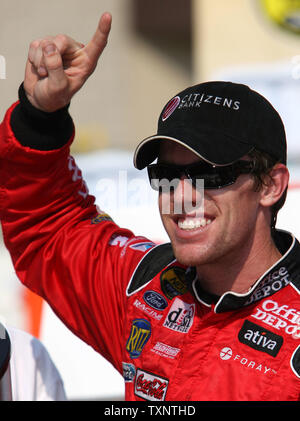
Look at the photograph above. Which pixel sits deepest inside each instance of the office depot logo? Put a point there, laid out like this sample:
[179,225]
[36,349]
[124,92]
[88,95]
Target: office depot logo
[280,317]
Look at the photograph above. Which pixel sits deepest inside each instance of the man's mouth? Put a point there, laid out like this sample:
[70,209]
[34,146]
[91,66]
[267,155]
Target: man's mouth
[189,223]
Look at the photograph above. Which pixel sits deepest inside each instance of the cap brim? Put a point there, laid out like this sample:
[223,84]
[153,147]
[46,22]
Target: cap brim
[221,150]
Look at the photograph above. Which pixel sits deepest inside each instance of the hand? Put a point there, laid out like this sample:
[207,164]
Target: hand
[57,67]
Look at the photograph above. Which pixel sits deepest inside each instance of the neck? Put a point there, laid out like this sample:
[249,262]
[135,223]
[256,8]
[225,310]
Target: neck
[237,272]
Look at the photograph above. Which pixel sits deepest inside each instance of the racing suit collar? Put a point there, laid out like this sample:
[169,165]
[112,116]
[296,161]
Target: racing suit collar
[283,272]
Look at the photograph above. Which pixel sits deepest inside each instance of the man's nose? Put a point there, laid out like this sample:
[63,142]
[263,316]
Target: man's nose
[186,198]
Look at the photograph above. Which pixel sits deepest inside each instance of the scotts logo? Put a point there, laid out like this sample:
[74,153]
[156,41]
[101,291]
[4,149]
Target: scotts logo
[149,386]
[180,317]
[173,282]
[139,335]
[260,339]
[170,107]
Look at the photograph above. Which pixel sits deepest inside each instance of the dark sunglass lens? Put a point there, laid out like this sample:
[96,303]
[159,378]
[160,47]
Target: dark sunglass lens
[163,177]
[213,177]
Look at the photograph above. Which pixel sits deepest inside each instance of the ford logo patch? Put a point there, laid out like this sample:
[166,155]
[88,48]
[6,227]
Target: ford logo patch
[155,300]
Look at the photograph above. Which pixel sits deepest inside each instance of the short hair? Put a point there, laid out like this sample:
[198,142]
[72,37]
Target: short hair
[263,164]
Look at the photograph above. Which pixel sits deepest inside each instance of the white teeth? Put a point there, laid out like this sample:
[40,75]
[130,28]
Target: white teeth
[189,224]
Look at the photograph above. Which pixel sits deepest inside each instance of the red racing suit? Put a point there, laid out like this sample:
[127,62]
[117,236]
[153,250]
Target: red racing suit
[129,298]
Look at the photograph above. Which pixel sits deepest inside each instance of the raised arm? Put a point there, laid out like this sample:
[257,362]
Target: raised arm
[63,248]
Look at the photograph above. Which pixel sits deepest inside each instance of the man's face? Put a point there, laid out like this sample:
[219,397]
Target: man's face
[230,220]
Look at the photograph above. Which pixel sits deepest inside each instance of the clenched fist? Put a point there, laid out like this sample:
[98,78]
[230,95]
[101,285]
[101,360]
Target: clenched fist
[57,67]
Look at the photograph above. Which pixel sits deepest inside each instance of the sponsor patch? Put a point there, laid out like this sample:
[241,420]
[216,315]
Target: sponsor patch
[142,246]
[172,281]
[227,354]
[180,317]
[100,218]
[279,316]
[155,300]
[138,337]
[118,240]
[149,386]
[259,338]
[128,372]
[269,285]
[165,350]
[150,311]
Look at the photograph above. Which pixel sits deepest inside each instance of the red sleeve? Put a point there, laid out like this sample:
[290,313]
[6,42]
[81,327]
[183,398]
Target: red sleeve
[58,248]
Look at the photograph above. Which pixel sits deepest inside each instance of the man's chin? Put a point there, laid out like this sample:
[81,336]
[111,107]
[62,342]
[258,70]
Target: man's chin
[194,255]
[186,257]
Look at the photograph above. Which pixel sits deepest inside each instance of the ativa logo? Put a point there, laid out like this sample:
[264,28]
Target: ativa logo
[260,338]
[227,353]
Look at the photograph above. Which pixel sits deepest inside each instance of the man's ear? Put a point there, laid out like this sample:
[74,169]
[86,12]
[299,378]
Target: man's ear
[274,185]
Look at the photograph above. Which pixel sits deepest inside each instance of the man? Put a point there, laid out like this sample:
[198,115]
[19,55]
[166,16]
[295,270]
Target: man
[215,315]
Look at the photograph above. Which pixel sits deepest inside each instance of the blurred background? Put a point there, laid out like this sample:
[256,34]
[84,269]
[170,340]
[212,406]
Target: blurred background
[156,49]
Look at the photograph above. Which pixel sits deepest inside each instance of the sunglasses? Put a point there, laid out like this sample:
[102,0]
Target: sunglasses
[215,177]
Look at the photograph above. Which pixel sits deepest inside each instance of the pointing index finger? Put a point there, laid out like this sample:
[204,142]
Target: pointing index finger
[97,44]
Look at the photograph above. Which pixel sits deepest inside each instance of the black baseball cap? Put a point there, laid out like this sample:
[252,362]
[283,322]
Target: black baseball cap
[219,121]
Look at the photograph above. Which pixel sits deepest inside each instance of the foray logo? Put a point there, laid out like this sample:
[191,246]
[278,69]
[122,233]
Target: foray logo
[2,67]
[227,353]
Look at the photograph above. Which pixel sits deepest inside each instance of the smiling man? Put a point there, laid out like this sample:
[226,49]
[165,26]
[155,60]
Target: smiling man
[213,315]
[201,138]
